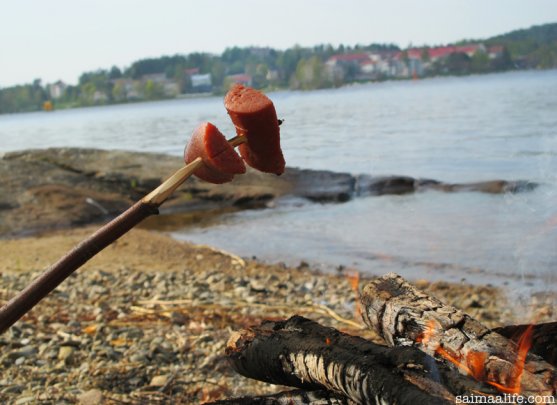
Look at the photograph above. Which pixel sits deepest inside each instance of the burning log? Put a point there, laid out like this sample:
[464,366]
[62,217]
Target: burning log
[298,397]
[405,316]
[303,354]
[544,338]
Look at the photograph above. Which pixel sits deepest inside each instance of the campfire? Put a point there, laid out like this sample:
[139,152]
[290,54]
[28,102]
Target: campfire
[435,354]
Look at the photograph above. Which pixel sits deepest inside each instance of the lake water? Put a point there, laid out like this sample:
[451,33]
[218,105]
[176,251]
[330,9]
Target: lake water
[499,126]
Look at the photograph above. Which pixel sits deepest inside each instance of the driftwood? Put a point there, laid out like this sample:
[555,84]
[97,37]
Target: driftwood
[293,397]
[405,316]
[301,353]
[544,339]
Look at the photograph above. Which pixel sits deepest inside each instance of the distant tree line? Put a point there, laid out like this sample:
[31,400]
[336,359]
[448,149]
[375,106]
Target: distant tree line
[535,47]
[295,68]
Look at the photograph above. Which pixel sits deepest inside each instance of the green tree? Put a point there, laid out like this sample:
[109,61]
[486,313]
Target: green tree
[502,62]
[218,73]
[119,92]
[152,90]
[260,75]
[310,74]
[88,93]
[545,57]
[480,62]
[115,73]
[458,63]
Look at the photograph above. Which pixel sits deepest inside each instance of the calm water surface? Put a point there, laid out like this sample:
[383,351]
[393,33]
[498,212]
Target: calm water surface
[500,126]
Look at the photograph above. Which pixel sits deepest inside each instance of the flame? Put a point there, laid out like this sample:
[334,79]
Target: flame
[473,363]
[354,280]
[428,333]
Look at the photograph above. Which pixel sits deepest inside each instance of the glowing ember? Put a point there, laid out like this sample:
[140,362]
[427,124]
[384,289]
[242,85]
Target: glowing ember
[473,363]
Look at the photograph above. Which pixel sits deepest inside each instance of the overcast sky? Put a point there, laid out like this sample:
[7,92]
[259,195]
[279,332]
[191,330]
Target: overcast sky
[60,39]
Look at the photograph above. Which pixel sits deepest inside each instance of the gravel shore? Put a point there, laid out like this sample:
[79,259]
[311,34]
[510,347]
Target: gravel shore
[147,320]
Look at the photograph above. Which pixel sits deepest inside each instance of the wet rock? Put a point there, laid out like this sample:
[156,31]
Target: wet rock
[63,187]
[320,185]
[368,185]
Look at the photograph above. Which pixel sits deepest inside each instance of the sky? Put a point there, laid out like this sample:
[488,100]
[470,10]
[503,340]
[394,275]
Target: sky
[60,39]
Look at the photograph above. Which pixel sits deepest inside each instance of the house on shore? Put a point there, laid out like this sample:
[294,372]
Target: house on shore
[201,83]
[412,62]
[241,78]
[57,89]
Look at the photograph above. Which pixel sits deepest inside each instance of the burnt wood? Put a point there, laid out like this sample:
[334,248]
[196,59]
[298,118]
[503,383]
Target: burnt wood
[293,397]
[544,338]
[404,316]
[301,353]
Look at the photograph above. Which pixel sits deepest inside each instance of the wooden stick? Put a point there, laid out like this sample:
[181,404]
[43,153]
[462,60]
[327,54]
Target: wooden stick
[31,295]
[403,315]
[165,190]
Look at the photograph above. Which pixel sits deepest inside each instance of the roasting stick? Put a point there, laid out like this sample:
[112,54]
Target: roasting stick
[27,298]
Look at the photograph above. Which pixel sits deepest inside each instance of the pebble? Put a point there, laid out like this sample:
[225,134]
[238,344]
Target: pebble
[112,344]
[24,400]
[65,353]
[91,397]
[159,380]
[12,389]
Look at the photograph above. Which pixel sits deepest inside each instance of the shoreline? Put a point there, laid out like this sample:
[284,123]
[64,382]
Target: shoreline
[274,89]
[60,188]
[150,311]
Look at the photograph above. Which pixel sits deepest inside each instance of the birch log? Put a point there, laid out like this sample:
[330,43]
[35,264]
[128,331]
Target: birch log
[544,339]
[405,316]
[293,397]
[301,353]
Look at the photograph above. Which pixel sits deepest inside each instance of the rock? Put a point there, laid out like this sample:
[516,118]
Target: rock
[91,397]
[12,389]
[62,187]
[24,352]
[257,286]
[320,185]
[140,357]
[178,318]
[159,380]
[24,400]
[421,283]
[65,354]
[368,185]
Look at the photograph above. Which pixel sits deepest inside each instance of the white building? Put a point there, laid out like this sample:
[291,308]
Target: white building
[199,81]
[57,89]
